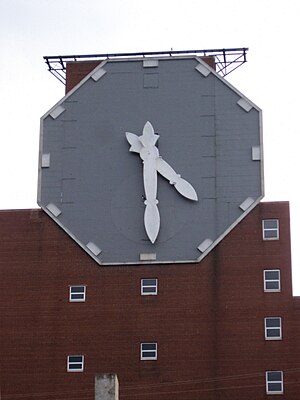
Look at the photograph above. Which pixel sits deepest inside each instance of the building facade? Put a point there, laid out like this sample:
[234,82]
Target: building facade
[217,329]
[183,291]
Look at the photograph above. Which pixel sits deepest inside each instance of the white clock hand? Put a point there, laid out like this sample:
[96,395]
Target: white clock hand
[153,163]
[145,146]
[149,155]
[148,138]
[151,216]
[180,184]
[134,141]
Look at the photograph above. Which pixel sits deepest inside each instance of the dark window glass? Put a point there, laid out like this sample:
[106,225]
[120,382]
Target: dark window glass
[272,285]
[149,346]
[273,332]
[275,387]
[148,354]
[75,366]
[77,296]
[270,275]
[149,282]
[274,376]
[271,234]
[77,289]
[270,223]
[149,289]
[272,322]
[74,359]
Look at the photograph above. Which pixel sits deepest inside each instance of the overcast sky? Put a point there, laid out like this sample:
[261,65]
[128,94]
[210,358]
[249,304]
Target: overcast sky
[31,29]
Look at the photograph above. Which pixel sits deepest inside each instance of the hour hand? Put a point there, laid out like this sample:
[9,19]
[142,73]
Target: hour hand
[180,184]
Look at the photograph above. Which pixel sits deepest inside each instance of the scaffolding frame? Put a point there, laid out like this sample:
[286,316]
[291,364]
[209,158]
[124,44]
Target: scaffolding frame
[226,60]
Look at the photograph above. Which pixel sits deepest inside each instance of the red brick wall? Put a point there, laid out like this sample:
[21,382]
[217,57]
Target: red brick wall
[76,71]
[207,318]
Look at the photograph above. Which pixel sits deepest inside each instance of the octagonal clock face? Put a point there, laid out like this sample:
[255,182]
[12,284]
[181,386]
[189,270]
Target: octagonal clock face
[150,161]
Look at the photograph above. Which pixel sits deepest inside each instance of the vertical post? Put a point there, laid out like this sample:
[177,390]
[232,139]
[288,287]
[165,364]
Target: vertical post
[106,387]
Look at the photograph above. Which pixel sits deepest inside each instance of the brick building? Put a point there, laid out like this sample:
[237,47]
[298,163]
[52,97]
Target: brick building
[213,322]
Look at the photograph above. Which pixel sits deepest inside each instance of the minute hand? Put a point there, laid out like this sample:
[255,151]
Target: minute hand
[151,216]
[180,184]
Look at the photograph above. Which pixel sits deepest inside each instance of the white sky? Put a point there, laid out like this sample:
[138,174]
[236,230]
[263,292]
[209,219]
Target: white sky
[30,29]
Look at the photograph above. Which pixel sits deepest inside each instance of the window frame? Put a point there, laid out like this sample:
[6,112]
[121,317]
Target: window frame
[268,329]
[270,382]
[143,286]
[143,351]
[69,363]
[272,280]
[74,300]
[264,229]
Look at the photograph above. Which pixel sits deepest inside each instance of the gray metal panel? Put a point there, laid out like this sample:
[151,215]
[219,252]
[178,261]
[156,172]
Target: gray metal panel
[98,184]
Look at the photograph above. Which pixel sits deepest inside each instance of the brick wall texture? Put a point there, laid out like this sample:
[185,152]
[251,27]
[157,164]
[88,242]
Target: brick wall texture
[207,319]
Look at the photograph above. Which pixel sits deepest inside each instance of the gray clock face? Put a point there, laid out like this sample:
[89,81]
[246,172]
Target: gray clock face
[94,187]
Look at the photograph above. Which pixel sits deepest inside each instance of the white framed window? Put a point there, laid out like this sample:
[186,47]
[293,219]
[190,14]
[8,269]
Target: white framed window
[274,382]
[148,286]
[270,229]
[149,351]
[272,280]
[75,363]
[77,293]
[273,330]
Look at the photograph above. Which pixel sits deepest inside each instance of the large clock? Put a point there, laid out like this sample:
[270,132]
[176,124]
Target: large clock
[150,161]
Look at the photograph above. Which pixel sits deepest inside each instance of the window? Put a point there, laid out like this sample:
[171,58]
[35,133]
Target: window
[274,382]
[270,229]
[273,328]
[148,351]
[75,363]
[149,286]
[77,293]
[272,280]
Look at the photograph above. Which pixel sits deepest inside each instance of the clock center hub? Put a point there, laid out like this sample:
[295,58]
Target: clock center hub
[149,152]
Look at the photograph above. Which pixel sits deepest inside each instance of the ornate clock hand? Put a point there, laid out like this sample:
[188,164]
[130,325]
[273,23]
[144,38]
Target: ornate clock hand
[180,184]
[153,163]
[145,146]
[134,141]
[149,153]
[151,216]
[148,138]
